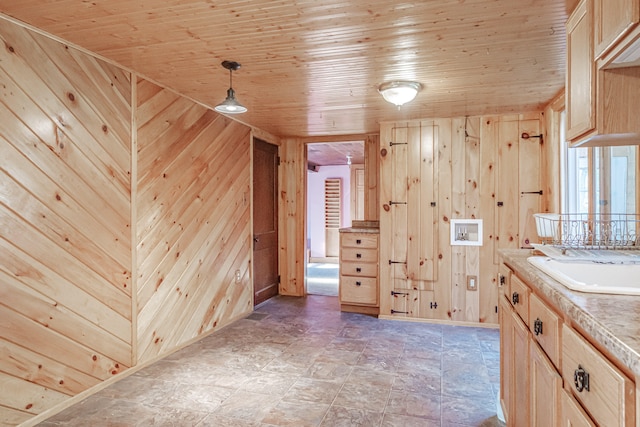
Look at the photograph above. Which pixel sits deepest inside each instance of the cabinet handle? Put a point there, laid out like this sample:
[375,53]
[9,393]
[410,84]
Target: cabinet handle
[515,298]
[502,280]
[358,270]
[358,283]
[537,326]
[358,242]
[358,256]
[581,379]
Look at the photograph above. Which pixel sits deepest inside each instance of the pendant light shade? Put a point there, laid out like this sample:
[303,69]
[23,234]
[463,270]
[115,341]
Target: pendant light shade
[399,92]
[230,105]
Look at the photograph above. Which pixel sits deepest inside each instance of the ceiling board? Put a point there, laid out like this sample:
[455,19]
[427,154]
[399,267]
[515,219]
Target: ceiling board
[312,67]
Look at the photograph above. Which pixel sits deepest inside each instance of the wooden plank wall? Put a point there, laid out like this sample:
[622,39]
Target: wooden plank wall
[193,220]
[65,237]
[291,182]
[121,228]
[446,169]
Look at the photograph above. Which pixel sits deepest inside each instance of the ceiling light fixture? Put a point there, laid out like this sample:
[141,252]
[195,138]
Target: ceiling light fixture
[231,104]
[399,92]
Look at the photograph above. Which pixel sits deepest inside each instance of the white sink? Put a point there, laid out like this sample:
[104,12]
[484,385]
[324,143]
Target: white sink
[592,276]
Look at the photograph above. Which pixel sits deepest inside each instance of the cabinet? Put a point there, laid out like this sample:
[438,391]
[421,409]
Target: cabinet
[614,19]
[550,374]
[359,271]
[605,393]
[602,95]
[580,88]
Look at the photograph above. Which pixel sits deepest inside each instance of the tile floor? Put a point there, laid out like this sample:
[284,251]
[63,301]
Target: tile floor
[300,362]
[323,278]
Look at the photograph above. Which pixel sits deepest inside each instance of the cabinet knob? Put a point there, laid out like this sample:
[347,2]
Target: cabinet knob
[358,242]
[358,283]
[515,298]
[358,270]
[358,256]
[581,379]
[537,326]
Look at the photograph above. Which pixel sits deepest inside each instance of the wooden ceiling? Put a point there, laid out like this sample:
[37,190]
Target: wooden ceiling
[312,67]
[335,153]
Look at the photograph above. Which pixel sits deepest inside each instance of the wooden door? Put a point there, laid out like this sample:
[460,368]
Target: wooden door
[265,221]
[519,398]
[506,358]
[546,385]
[580,88]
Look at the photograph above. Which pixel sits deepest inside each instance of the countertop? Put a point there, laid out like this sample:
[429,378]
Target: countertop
[611,320]
[360,230]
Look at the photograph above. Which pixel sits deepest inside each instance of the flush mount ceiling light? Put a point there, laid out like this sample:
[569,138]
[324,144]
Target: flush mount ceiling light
[231,104]
[399,92]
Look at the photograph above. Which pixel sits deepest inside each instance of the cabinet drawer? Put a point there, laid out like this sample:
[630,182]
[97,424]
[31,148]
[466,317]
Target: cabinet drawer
[605,393]
[359,254]
[358,290]
[360,269]
[359,240]
[520,298]
[545,327]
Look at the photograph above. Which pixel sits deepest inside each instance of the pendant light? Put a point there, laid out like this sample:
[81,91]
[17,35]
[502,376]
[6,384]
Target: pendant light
[399,92]
[231,104]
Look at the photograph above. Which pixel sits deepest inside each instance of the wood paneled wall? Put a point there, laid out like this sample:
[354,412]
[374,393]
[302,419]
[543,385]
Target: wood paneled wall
[438,170]
[193,220]
[124,214]
[65,242]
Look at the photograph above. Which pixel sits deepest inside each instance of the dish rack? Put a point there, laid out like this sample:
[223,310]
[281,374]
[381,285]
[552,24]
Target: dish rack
[589,232]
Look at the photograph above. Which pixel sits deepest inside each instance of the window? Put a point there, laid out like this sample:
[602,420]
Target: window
[598,179]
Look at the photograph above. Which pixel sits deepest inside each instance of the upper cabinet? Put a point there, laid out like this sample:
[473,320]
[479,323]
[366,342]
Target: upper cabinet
[603,81]
[580,73]
[614,19]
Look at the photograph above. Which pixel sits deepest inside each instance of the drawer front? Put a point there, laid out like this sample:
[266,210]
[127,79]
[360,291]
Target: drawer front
[545,327]
[359,255]
[360,269]
[358,290]
[605,393]
[519,297]
[359,240]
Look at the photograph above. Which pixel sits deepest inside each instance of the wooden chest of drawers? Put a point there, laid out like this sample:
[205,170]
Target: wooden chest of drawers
[359,272]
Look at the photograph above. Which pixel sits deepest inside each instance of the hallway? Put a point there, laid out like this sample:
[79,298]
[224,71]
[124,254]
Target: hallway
[301,362]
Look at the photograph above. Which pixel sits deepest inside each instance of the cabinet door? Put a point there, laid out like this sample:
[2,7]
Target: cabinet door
[580,87]
[613,19]
[506,357]
[514,366]
[520,391]
[546,385]
[572,415]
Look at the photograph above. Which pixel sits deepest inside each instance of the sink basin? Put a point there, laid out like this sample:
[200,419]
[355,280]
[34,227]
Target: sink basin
[590,276]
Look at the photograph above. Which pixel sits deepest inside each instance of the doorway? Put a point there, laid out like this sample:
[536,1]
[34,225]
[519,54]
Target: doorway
[265,221]
[332,198]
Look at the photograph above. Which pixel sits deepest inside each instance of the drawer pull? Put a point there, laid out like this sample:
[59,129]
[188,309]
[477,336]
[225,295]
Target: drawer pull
[515,298]
[358,242]
[358,256]
[358,270]
[581,379]
[537,326]
[503,280]
[358,283]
